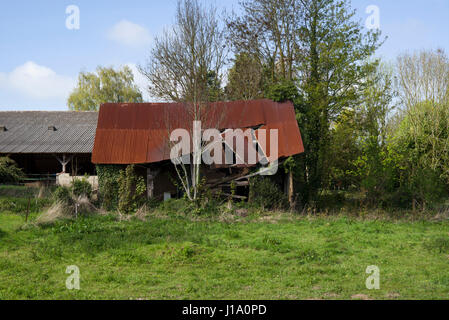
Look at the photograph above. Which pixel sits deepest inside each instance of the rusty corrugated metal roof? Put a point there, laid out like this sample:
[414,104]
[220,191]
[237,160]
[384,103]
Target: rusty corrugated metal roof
[139,133]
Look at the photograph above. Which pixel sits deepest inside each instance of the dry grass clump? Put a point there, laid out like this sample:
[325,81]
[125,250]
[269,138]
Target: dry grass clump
[42,192]
[81,206]
[142,214]
[58,211]
[442,215]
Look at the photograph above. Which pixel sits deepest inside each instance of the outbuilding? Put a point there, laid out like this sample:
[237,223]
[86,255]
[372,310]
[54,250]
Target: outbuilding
[49,146]
[139,134]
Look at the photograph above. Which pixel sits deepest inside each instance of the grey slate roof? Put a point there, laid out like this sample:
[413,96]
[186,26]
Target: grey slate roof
[28,132]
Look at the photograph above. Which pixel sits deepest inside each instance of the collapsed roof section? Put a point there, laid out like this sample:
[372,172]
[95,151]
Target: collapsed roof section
[140,133]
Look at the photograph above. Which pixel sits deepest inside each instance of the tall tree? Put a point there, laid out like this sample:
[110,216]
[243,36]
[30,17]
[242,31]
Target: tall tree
[186,65]
[245,78]
[106,85]
[267,33]
[268,30]
[321,47]
[373,115]
[332,75]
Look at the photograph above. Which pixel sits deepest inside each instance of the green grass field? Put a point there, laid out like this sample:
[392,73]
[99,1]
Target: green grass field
[179,258]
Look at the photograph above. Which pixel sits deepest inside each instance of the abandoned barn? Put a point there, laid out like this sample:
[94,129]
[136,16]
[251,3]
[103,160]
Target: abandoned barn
[56,147]
[139,134]
[49,145]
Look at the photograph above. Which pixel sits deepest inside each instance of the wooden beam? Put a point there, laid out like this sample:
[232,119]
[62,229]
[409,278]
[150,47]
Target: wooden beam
[151,175]
[64,162]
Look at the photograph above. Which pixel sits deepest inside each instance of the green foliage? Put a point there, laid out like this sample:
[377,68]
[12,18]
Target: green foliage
[216,92]
[345,150]
[418,157]
[283,91]
[9,172]
[108,176]
[20,205]
[63,195]
[105,86]
[335,69]
[245,79]
[266,194]
[131,190]
[82,188]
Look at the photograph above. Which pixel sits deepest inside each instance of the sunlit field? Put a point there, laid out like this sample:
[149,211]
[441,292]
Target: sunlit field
[257,257]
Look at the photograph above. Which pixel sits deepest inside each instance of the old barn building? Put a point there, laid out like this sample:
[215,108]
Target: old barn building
[47,145]
[139,134]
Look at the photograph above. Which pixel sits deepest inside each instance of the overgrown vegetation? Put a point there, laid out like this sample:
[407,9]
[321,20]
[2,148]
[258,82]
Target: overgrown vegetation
[177,250]
[22,205]
[108,176]
[63,195]
[132,189]
[362,133]
[9,172]
[365,135]
[266,194]
[82,188]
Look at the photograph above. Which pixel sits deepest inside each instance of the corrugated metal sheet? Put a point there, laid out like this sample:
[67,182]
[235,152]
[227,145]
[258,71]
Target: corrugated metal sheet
[28,132]
[139,133]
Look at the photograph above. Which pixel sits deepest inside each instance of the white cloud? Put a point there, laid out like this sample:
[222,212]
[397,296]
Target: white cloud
[37,82]
[129,34]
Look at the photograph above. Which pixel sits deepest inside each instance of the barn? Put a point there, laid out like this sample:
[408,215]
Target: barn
[49,146]
[139,134]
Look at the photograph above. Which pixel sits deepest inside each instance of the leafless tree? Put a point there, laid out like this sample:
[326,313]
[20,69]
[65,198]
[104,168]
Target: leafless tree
[268,29]
[185,66]
[423,76]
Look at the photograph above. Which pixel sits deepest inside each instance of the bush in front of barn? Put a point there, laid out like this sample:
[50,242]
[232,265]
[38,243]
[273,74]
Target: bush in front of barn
[9,172]
[82,188]
[264,193]
[63,195]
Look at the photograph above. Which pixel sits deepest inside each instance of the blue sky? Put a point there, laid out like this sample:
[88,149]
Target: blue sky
[40,58]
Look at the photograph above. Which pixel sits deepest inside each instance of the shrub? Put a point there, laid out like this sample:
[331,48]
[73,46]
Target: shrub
[9,172]
[265,193]
[132,190]
[81,188]
[63,195]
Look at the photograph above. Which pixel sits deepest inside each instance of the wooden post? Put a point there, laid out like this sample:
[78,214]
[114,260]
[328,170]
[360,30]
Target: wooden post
[290,189]
[28,210]
[150,183]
